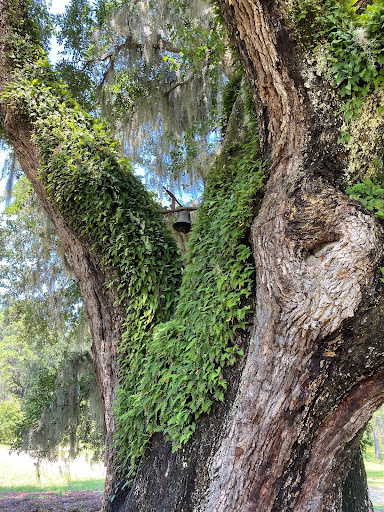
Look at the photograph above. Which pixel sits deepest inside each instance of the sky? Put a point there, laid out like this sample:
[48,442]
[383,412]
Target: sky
[57,7]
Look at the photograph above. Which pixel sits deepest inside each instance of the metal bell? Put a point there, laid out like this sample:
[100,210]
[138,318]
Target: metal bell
[183,222]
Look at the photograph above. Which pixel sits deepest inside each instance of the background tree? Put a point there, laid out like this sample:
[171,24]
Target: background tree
[156,71]
[296,404]
[45,363]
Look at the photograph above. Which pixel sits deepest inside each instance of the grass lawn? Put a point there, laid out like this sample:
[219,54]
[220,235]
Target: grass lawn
[375,478]
[19,473]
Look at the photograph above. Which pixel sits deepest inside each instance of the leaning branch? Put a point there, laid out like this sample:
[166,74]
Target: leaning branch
[180,84]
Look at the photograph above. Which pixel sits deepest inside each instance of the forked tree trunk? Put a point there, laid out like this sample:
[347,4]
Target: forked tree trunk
[306,390]
[298,402]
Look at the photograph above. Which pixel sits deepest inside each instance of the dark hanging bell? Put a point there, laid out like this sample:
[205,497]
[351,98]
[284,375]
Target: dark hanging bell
[183,222]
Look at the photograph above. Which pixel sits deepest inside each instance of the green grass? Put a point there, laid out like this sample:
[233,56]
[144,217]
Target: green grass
[375,476]
[18,473]
[60,487]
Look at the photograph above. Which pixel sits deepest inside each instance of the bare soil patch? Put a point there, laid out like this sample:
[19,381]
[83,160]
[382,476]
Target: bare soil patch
[69,501]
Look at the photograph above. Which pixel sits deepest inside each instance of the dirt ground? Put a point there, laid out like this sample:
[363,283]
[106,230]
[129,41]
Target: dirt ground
[78,501]
[70,501]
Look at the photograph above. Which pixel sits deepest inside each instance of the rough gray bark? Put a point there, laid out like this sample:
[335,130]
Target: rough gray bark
[298,405]
[316,256]
[297,402]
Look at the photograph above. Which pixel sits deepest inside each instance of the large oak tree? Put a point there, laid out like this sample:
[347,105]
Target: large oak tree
[313,374]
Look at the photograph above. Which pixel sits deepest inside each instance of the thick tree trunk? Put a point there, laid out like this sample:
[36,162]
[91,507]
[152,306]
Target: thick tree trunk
[297,403]
[105,314]
[305,391]
[316,256]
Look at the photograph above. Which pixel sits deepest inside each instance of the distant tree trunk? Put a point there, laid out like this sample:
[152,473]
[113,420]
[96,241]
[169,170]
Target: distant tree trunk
[377,444]
[297,402]
[381,428]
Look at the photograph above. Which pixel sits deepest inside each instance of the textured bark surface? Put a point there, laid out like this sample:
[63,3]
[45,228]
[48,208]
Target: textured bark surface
[314,370]
[286,441]
[316,256]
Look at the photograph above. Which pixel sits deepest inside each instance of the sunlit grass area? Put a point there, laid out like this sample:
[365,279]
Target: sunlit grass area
[375,474]
[18,472]
[375,478]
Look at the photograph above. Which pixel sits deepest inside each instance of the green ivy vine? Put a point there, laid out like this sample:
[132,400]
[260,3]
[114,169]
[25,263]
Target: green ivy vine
[171,357]
[99,196]
[370,194]
[351,42]
[182,371]
[350,39]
